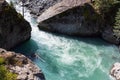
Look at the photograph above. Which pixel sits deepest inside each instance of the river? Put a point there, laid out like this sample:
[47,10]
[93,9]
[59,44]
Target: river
[69,58]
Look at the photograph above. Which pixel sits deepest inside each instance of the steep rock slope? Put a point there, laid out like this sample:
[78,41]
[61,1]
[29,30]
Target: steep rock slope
[14,29]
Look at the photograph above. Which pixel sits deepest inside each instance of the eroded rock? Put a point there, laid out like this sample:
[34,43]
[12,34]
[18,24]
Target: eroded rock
[115,71]
[80,21]
[22,66]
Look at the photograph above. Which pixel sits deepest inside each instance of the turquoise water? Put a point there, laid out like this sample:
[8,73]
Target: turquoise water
[69,58]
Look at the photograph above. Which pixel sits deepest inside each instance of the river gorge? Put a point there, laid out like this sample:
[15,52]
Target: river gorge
[63,57]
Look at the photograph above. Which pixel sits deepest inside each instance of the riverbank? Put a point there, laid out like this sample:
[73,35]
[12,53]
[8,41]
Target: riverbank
[20,65]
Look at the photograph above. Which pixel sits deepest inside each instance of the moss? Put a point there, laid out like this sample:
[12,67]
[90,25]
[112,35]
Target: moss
[20,16]
[5,74]
[10,13]
[2,60]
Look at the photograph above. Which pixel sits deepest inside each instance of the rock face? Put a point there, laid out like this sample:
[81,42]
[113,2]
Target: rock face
[60,7]
[115,71]
[14,29]
[22,66]
[36,7]
[81,21]
[109,36]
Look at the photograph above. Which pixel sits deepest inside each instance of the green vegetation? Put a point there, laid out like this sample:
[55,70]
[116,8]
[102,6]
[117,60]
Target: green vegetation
[9,10]
[117,24]
[109,10]
[11,4]
[103,6]
[5,74]
[2,61]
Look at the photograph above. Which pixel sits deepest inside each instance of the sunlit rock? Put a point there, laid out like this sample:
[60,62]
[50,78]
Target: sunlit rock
[21,65]
[115,71]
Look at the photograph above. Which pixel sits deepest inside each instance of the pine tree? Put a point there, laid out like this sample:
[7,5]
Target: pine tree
[103,6]
[117,25]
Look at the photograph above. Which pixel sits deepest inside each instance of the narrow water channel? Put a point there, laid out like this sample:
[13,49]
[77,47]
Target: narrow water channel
[69,58]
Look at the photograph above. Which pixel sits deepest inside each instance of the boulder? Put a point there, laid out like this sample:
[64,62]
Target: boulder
[21,65]
[14,29]
[60,8]
[80,21]
[115,71]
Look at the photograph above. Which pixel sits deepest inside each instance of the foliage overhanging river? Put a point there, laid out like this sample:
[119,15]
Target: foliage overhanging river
[69,58]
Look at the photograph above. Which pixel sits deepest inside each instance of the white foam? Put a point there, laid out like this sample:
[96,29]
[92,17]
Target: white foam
[67,59]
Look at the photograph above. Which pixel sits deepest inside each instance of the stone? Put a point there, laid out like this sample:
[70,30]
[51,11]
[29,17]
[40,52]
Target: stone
[14,29]
[115,71]
[60,8]
[22,77]
[28,70]
[75,21]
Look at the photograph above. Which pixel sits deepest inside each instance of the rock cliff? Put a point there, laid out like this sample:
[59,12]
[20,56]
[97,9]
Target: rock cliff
[21,65]
[14,29]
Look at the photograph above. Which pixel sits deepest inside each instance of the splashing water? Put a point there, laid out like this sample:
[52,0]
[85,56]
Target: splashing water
[69,58]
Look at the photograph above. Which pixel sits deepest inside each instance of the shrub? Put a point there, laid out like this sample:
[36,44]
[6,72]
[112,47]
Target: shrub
[6,74]
[117,25]
[103,6]
[2,61]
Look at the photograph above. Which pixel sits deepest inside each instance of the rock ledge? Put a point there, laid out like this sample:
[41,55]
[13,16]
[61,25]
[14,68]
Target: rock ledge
[22,66]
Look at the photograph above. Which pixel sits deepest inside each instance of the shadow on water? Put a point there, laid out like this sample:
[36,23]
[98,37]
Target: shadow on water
[28,48]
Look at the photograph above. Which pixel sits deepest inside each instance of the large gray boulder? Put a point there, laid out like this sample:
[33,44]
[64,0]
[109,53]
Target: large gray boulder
[80,21]
[14,29]
[60,7]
